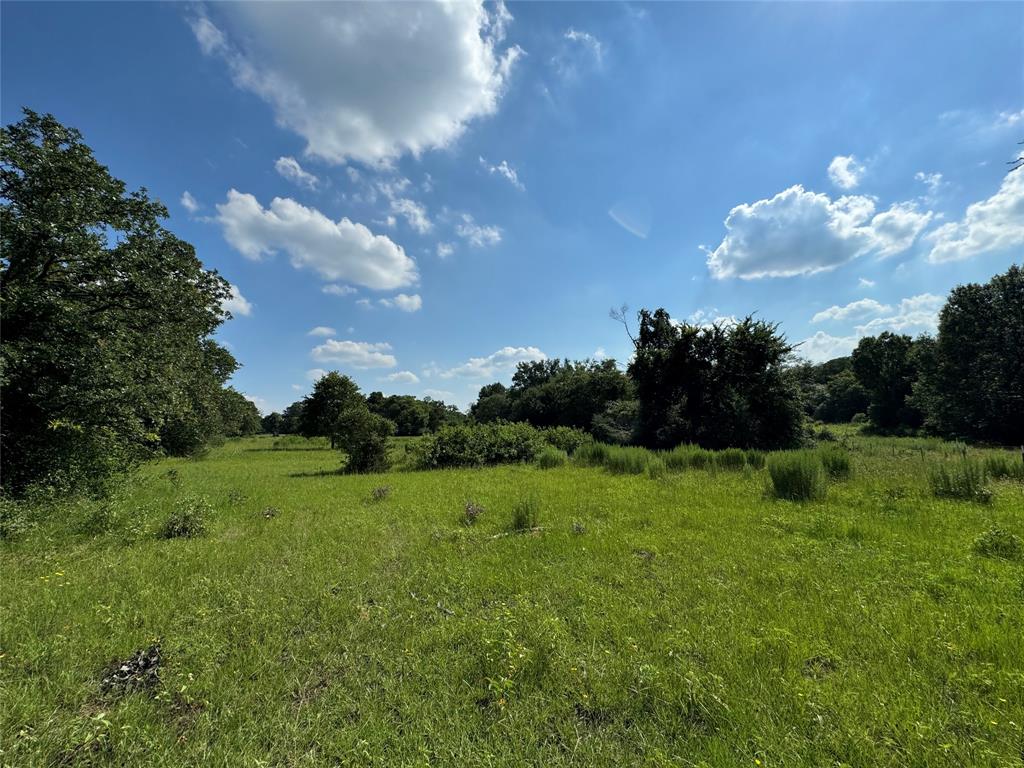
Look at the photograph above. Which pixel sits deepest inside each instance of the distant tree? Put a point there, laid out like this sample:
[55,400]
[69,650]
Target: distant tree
[106,317]
[717,386]
[363,436]
[885,366]
[491,404]
[440,414]
[971,382]
[617,423]
[332,395]
[843,398]
[271,423]
[291,418]
[239,414]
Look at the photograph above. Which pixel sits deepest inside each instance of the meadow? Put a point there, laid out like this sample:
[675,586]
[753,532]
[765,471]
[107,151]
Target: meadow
[518,615]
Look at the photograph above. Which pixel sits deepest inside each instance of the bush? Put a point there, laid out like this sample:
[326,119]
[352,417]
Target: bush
[14,519]
[731,458]
[859,418]
[475,445]
[525,514]
[471,513]
[836,462]
[687,457]
[188,520]
[797,476]
[755,459]
[998,542]
[623,460]
[568,439]
[592,454]
[963,480]
[1004,466]
[551,457]
[363,436]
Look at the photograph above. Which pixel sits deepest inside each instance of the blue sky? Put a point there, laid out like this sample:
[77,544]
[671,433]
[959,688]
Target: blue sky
[421,196]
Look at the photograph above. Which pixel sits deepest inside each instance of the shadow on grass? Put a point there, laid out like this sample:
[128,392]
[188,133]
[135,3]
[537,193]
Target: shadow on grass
[321,473]
[283,450]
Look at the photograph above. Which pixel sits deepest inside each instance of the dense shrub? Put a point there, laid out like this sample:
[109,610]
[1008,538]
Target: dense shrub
[731,458]
[475,445]
[567,439]
[188,520]
[998,542]
[796,475]
[859,418]
[755,459]
[687,457]
[836,462]
[626,460]
[551,457]
[963,480]
[1004,466]
[592,454]
[364,438]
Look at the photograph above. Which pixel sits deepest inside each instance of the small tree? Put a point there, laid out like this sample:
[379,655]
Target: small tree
[364,437]
[333,394]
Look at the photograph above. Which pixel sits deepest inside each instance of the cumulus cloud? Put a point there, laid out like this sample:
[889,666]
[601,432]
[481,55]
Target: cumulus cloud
[845,172]
[506,171]
[914,315]
[189,203]
[477,235]
[988,226]
[237,304]
[358,354]
[709,317]
[333,289]
[337,250]
[797,232]
[852,311]
[415,214]
[444,250]
[403,377]
[366,81]
[289,168]
[322,330]
[497,364]
[599,354]
[403,302]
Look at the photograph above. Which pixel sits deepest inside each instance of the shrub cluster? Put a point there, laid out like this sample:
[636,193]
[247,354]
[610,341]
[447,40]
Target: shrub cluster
[998,542]
[188,520]
[551,457]
[476,445]
[836,462]
[964,480]
[797,475]
[568,439]
[1004,466]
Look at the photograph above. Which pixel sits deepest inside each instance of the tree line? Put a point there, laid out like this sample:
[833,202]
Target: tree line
[108,356]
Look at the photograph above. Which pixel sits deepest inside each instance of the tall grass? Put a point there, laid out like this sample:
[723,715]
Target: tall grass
[731,458]
[551,457]
[963,480]
[627,460]
[836,462]
[1004,466]
[796,475]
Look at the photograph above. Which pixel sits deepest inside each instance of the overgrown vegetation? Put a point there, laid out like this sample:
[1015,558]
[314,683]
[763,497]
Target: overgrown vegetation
[797,476]
[963,480]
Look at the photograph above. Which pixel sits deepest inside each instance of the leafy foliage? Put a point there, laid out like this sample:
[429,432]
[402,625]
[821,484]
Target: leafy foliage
[333,395]
[885,365]
[413,416]
[999,542]
[972,375]
[717,386]
[474,445]
[189,519]
[106,319]
[364,437]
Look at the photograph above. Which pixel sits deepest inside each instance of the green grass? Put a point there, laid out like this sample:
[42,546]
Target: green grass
[687,620]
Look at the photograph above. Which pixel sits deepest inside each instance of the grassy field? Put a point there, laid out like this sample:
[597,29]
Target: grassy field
[688,619]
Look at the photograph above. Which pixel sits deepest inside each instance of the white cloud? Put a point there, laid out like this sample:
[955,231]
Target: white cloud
[599,354]
[863,282]
[797,232]
[823,346]
[499,363]
[933,181]
[358,354]
[237,304]
[853,311]
[338,290]
[415,214]
[403,302]
[315,373]
[706,318]
[189,203]
[444,250]
[290,169]
[505,170]
[988,226]
[403,377]
[439,394]
[366,81]
[579,49]
[914,315]
[478,236]
[845,172]
[337,250]
[322,330]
